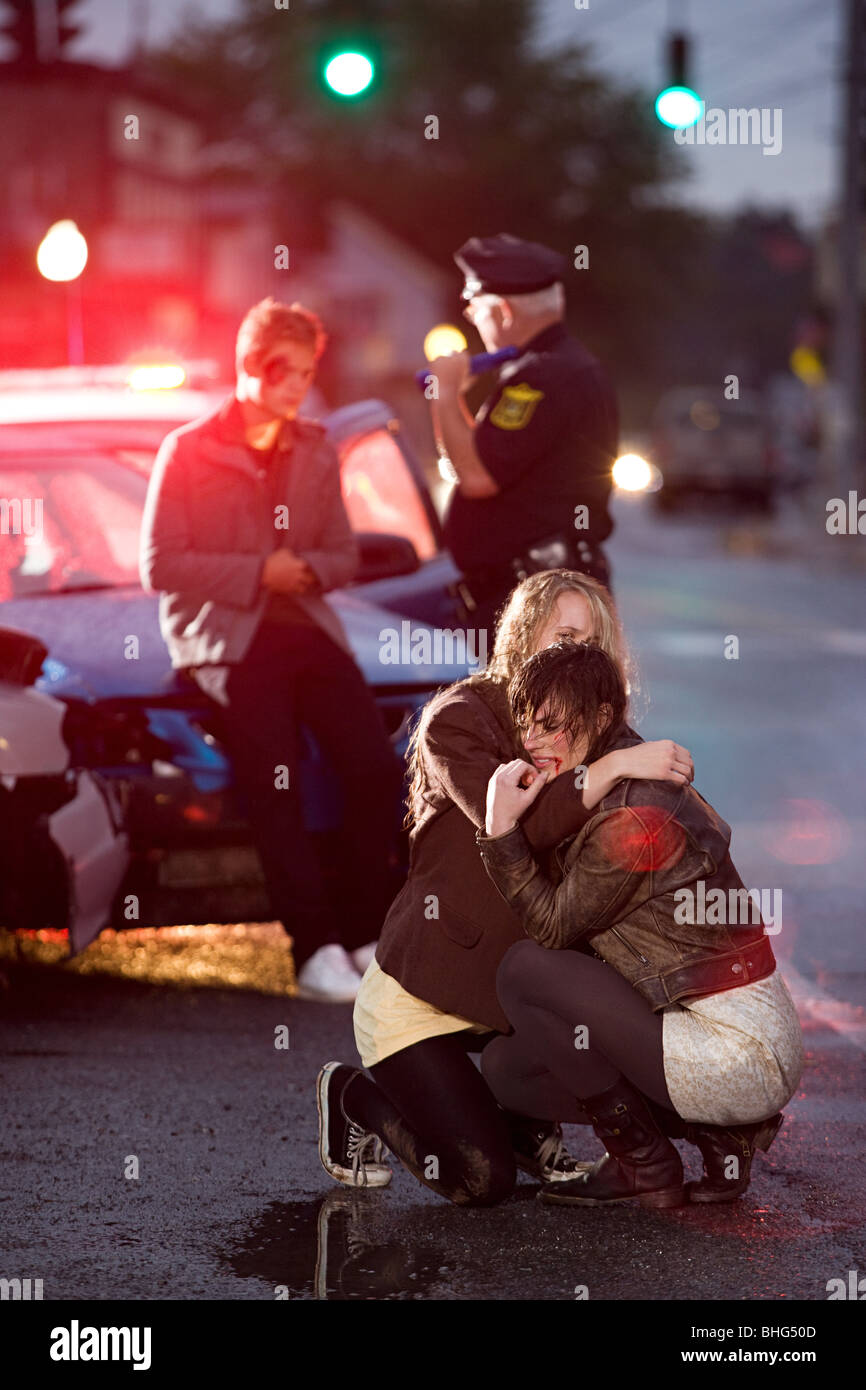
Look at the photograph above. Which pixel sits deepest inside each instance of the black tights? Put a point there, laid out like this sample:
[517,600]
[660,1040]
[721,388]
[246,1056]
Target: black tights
[430,1105]
[578,1026]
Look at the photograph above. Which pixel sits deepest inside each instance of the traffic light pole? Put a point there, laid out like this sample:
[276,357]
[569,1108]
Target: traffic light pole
[74,323]
[847,338]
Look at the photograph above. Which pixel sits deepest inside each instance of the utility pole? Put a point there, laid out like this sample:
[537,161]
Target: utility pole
[848,429]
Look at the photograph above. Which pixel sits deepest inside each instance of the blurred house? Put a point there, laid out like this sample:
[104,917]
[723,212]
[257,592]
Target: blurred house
[183,237]
[378,298]
[104,148]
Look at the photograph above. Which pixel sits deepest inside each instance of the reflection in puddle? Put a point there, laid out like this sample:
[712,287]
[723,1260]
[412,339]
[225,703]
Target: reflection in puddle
[327,1250]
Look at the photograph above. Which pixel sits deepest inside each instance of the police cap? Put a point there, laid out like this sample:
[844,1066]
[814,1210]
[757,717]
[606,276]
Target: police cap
[506,264]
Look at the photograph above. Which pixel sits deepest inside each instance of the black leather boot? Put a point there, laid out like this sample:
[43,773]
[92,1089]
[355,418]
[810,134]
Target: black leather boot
[640,1163]
[668,1121]
[718,1146]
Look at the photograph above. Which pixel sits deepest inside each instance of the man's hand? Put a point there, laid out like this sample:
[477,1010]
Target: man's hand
[511,791]
[287,573]
[453,426]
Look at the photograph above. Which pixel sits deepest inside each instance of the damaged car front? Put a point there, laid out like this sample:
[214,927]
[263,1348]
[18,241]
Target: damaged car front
[63,853]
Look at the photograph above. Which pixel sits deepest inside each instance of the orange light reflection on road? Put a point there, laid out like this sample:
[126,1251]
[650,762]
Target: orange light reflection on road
[807,832]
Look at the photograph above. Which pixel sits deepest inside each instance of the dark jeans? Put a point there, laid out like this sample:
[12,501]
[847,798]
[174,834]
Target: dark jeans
[298,675]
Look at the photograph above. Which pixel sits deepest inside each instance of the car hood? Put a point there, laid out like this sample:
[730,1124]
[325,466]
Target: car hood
[107,644]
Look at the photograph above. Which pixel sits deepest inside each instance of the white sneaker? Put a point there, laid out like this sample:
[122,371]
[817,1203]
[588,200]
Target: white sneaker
[362,957]
[329,975]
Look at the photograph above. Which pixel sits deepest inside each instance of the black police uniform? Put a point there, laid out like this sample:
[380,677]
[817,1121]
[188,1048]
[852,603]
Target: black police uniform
[548,435]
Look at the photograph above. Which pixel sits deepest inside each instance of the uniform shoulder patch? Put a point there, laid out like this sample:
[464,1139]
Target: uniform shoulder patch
[515,407]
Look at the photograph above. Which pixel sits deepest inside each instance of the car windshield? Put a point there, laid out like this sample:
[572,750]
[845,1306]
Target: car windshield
[71,521]
[380,492]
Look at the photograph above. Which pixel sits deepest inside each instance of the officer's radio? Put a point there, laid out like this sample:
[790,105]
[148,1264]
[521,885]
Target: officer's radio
[481,362]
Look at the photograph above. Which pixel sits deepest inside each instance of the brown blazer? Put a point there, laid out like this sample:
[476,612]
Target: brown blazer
[448,928]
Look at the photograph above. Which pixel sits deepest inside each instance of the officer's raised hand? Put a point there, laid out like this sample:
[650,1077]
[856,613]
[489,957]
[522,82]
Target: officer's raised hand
[452,371]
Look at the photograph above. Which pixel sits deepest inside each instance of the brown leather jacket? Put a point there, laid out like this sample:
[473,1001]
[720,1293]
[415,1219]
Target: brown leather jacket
[448,928]
[619,875]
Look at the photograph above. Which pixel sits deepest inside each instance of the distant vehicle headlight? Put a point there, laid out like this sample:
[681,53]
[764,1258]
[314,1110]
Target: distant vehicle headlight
[631,473]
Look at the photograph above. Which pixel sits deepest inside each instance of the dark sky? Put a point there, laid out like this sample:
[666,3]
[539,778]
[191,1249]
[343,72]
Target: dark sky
[762,53]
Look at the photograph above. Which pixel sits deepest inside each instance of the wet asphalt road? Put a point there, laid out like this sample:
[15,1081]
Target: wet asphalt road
[230,1200]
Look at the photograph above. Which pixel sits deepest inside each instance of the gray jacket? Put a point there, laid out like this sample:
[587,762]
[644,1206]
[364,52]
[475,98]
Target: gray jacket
[208,526]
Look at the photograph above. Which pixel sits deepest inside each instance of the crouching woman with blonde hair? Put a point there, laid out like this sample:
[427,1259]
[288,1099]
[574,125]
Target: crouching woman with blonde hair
[429,996]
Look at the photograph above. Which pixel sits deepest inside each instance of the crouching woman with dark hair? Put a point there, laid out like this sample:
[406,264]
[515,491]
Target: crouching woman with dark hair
[674,1027]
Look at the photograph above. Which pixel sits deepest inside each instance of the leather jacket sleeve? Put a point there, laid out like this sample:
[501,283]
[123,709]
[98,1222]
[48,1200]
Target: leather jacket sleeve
[624,857]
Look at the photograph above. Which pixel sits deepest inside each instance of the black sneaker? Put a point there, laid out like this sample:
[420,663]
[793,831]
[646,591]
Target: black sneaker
[539,1150]
[348,1153]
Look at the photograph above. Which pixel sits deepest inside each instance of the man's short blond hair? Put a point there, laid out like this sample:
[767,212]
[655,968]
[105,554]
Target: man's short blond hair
[269,321]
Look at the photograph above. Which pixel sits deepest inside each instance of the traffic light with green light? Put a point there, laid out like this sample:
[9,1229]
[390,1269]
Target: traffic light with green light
[678,105]
[348,73]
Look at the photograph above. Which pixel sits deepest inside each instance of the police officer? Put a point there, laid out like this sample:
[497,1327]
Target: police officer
[533,468]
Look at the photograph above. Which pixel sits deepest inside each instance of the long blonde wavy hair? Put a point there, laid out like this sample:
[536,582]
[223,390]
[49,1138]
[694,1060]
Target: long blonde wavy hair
[526,612]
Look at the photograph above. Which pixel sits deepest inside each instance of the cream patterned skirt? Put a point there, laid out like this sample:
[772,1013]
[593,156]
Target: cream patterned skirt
[734,1057]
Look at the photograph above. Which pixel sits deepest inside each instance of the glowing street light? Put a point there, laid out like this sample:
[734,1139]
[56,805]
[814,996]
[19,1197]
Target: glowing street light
[442,339]
[61,257]
[62,253]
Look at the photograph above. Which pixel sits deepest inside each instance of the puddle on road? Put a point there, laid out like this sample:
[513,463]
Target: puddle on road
[325,1250]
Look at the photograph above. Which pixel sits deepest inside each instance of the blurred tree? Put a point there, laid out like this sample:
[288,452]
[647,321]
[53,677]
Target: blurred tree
[762,283]
[536,143]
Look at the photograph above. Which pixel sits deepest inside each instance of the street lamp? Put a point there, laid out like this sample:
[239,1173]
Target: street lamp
[442,339]
[61,257]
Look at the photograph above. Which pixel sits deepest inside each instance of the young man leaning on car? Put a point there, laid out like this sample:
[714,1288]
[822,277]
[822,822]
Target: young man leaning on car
[244,530]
